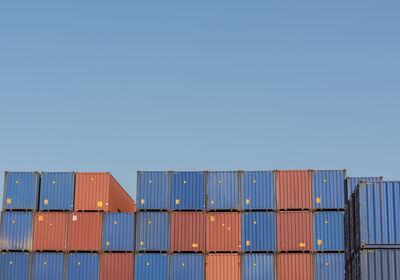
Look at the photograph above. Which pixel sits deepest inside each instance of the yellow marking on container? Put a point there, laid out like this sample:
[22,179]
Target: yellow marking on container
[183,264]
[255,222]
[326,263]
[115,222]
[324,180]
[247,201]
[212,201]
[149,222]
[10,262]
[54,182]
[318,200]
[177,201]
[13,222]
[254,264]
[17,182]
[319,242]
[107,243]
[46,202]
[219,181]
[254,181]
[223,225]
[326,221]
[99,203]
[45,263]
[195,245]
[212,218]
[184,182]
[51,225]
[141,243]
[247,243]
[150,181]
[79,263]
[302,244]
[92,179]
[142,201]
[8,200]
[40,218]
[148,264]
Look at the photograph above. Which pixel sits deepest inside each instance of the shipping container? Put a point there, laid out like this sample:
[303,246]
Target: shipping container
[153,190]
[82,266]
[16,231]
[258,267]
[188,191]
[118,232]
[328,231]
[14,266]
[352,231]
[328,187]
[258,190]
[57,191]
[20,190]
[258,232]
[84,232]
[50,231]
[116,266]
[48,266]
[187,266]
[99,191]
[294,266]
[223,267]
[294,231]
[347,233]
[329,266]
[293,189]
[352,182]
[223,190]
[152,231]
[151,267]
[223,232]
[188,232]
[348,271]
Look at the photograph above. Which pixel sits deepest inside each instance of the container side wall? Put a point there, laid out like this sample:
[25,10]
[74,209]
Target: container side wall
[50,231]
[223,190]
[293,189]
[328,189]
[16,231]
[258,190]
[258,266]
[48,266]
[14,266]
[258,231]
[188,232]
[57,191]
[118,232]
[352,182]
[116,266]
[153,190]
[82,266]
[187,266]
[223,232]
[118,199]
[294,266]
[91,191]
[294,231]
[20,190]
[378,264]
[188,191]
[329,266]
[151,267]
[328,231]
[152,231]
[223,267]
[84,231]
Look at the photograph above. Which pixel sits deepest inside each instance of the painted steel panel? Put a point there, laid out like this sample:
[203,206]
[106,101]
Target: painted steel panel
[293,189]
[14,266]
[223,267]
[116,266]
[16,231]
[20,190]
[153,190]
[188,191]
[57,191]
[258,231]
[328,187]
[376,264]
[50,231]
[118,232]
[152,231]
[294,231]
[82,266]
[188,232]
[84,232]
[329,266]
[223,190]
[294,266]
[258,190]
[187,266]
[151,267]
[48,266]
[223,232]
[328,231]
[352,182]
[258,267]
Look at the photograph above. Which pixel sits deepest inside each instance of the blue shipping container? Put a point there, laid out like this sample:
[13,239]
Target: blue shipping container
[152,231]
[82,266]
[14,266]
[258,231]
[328,189]
[258,267]
[187,266]
[223,190]
[188,191]
[118,232]
[57,191]
[376,264]
[48,266]
[352,182]
[20,190]
[328,231]
[258,190]
[151,267]
[153,190]
[16,231]
[329,266]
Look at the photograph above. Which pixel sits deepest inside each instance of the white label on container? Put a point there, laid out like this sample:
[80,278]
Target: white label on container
[74,218]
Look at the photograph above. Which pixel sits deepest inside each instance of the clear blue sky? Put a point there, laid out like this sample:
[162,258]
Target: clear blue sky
[122,86]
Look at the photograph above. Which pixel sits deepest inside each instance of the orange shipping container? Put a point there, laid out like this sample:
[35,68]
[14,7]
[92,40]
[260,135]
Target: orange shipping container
[50,231]
[223,267]
[84,231]
[187,232]
[223,232]
[293,189]
[294,266]
[294,231]
[116,266]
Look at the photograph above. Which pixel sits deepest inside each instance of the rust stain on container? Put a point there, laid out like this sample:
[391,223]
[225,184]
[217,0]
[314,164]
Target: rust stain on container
[293,189]
[294,266]
[84,231]
[223,232]
[50,231]
[294,231]
[116,266]
[188,232]
[223,267]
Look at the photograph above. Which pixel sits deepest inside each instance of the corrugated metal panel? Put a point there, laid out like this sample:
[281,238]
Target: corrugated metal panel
[223,190]
[84,232]
[294,231]
[328,231]
[16,231]
[187,266]
[294,266]
[118,232]
[223,267]
[57,191]
[14,266]
[329,266]
[188,191]
[258,267]
[152,231]
[348,271]
[20,190]
[153,189]
[352,182]
[82,266]
[293,189]
[377,264]
[151,267]
[347,232]
[50,231]
[116,266]
[188,232]
[258,190]
[258,231]
[223,232]
[328,189]
[48,266]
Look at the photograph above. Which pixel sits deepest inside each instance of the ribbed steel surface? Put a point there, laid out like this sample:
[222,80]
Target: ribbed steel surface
[118,232]
[152,231]
[328,188]
[188,191]
[223,190]
[223,267]
[294,231]
[329,266]
[48,266]
[151,267]
[328,231]
[188,232]
[376,264]
[21,190]
[14,266]
[258,267]
[50,231]
[223,232]
[352,182]
[258,231]
[116,266]
[57,191]
[153,190]
[187,266]
[258,190]
[84,232]
[293,189]
[294,266]
[82,266]
[16,231]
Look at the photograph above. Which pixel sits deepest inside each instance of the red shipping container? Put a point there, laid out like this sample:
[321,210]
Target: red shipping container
[293,189]
[50,231]
[294,231]
[116,266]
[223,267]
[295,266]
[101,192]
[84,231]
[223,232]
[188,232]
